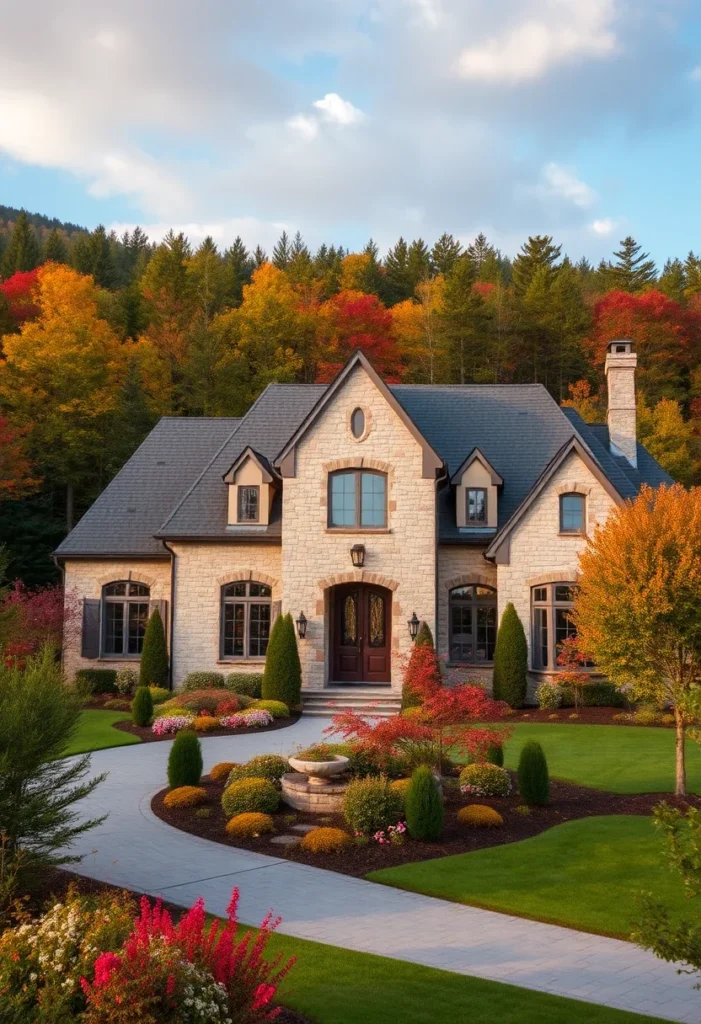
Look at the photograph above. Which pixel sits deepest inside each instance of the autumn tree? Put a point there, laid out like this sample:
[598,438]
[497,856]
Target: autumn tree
[670,439]
[18,291]
[638,605]
[17,477]
[418,326]
[353,320]
[589,405]
[633,270]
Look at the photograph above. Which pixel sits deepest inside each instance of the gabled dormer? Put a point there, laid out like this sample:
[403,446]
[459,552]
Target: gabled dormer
[477,486]
[252,483]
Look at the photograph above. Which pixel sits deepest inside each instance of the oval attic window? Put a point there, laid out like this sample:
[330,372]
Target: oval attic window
[358,423]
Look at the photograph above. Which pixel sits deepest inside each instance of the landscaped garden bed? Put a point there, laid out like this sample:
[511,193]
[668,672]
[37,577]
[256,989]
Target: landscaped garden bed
[147,735]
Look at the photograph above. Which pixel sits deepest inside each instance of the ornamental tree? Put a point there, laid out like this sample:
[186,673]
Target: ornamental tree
[638,604]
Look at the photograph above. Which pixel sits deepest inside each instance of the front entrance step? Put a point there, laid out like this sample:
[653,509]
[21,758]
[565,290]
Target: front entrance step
[378,701]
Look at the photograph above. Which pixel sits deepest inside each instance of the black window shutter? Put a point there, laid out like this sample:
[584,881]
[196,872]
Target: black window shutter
[275,610]
[90,645]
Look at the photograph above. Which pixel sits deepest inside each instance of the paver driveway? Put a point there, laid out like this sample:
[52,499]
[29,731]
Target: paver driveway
[134,849]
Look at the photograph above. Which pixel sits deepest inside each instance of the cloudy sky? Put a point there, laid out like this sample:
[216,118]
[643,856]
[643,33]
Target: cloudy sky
[351,118]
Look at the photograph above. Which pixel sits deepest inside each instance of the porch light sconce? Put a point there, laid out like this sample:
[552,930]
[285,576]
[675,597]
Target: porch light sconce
[413,624]
[358,555]
[301,624]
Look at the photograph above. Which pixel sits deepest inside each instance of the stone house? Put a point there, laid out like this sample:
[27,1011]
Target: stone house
[358,507]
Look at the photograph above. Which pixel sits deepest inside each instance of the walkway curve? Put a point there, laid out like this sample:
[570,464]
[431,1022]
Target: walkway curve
[136,850]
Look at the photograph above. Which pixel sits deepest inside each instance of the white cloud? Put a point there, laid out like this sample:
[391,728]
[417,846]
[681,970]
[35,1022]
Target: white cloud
[603,227]
[302,124]
[252,231]
[567,30]
[563,182]
[337,110]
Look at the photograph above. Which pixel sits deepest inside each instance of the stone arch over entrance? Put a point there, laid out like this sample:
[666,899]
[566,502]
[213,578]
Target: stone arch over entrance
[359,622]
[358,576]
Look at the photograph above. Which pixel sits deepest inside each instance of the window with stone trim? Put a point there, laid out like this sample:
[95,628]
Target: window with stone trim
[125,612]
[357,499]
[572,513]
[473,624]
[551,605]
[246,613]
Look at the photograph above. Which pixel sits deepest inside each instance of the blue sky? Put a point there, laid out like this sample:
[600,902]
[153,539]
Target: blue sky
[352,118]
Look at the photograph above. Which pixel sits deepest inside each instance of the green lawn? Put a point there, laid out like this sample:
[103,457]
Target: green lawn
[620,759]
[338,986]
[95,732]
[582,874]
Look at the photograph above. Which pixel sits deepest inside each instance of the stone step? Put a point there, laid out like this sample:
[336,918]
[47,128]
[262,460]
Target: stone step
[330,700]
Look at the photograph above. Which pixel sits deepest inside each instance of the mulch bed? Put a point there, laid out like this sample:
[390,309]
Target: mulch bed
[147,736]
[568,802]
[586,716]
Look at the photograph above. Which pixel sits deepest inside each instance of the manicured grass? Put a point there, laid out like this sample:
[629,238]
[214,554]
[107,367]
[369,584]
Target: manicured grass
[338,986]
[95,732]
[619,759]
[583,874]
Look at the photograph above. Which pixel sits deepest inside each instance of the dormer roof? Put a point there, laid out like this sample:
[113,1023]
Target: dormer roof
[476,456]
[269,473]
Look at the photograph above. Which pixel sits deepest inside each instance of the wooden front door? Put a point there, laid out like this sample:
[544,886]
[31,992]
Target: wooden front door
[361,634]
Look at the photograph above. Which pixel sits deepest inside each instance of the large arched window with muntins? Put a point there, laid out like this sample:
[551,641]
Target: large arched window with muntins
[125,611]
[246,611]
[473,624]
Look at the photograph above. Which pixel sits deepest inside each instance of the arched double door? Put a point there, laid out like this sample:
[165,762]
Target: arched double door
[361,634]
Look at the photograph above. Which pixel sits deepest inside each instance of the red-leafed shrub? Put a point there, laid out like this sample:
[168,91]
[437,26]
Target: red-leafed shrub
[32,618]
[228,706]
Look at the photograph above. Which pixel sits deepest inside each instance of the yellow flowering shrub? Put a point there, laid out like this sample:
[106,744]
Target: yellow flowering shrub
[326,840]
[479,816]
[250,825]
[185,796]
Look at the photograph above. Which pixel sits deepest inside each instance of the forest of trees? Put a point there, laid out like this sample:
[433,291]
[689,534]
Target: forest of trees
[100,335]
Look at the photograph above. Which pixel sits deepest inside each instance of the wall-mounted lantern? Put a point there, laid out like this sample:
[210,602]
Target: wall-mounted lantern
[301,624]
[413,625]
[357,553]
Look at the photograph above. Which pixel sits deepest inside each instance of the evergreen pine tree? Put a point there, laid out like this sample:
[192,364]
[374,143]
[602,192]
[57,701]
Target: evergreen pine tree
[93,254]
[238,267]
[282,676]
[424,805]
[130,316]
[536,254]
[153,670]
[692,275]
[281,252]
[299,267]
[259,257]
[571,320]
[22,252]
[397,282]
[142,706]
[480,251]
[418,264]
[55,249]
[185,760]
[133,419]
[444,254]
[373,278]
[633,270]
[533,779]
[511,660]
[464,322]
[672,281]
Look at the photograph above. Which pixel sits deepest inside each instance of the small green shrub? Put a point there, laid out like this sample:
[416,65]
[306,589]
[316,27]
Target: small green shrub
[247,795]
[370,805]
[549,696]
[159,694]
[250,684]
[142,706]
[424,805]
[153,670]
[185,760]
[362,762]
[127,680]
[511,660]
[276,708]
[494,754]
[647,716]
[320,752]
[204,681]
[595,695]
[282,678]
[485,780]
[100,680]
[533,780]
[264,766]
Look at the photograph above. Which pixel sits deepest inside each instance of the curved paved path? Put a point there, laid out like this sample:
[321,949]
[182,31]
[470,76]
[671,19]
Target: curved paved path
[134,849]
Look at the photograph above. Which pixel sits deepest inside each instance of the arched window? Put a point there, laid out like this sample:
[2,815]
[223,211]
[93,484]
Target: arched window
[551,604]
[245,619]
[125,610]
[572,513]
[473,624]
[358,499]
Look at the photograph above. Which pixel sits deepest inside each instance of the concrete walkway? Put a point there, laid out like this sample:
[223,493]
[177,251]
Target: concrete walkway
[136,850]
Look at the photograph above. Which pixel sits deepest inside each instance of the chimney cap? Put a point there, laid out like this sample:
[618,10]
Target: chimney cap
[621,346]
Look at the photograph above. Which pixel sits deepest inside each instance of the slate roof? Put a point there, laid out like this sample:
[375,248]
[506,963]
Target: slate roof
[172,486]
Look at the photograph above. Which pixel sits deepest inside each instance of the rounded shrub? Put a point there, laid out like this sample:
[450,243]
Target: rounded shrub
[185,760]
[424,805]
[282,678]
[159,694]
[196,700]
[204,681]
[206,723]
[276,708]
[485,780]
[229,706]
[142,706]
[153,668]
[370,805]
[326,840]
[126,680]
[533,779]
[510,660]
[480,816]
[250,795]
[221,772]
[249,825]
[549,696]
[264,766]
[185,796]
[95,680]
[248,684]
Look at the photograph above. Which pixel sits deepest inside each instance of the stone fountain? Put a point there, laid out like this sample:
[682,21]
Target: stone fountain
[315,786]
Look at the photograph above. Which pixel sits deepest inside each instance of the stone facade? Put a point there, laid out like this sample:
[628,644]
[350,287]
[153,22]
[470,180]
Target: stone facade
[85,578]
[458,566]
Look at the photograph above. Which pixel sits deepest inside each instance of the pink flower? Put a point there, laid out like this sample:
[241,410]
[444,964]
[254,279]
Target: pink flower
[105,966]
[263,995]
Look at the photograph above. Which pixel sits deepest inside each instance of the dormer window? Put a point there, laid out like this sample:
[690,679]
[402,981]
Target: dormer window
[477,506]
[248,504]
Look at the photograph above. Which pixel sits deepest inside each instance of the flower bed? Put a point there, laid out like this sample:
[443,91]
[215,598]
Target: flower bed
[228,725]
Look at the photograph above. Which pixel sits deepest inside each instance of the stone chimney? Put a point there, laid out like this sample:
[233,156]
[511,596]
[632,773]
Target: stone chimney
[621,361]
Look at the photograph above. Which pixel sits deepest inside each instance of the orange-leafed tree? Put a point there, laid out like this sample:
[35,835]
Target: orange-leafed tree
[638,605]
[16,475]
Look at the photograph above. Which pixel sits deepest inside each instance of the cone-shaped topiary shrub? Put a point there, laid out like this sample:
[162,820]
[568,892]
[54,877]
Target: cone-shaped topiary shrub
[511,660]
[282,678]
[533,780]
[424,638]
[154,654]
[185,760]
[142,706]
[424,805]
